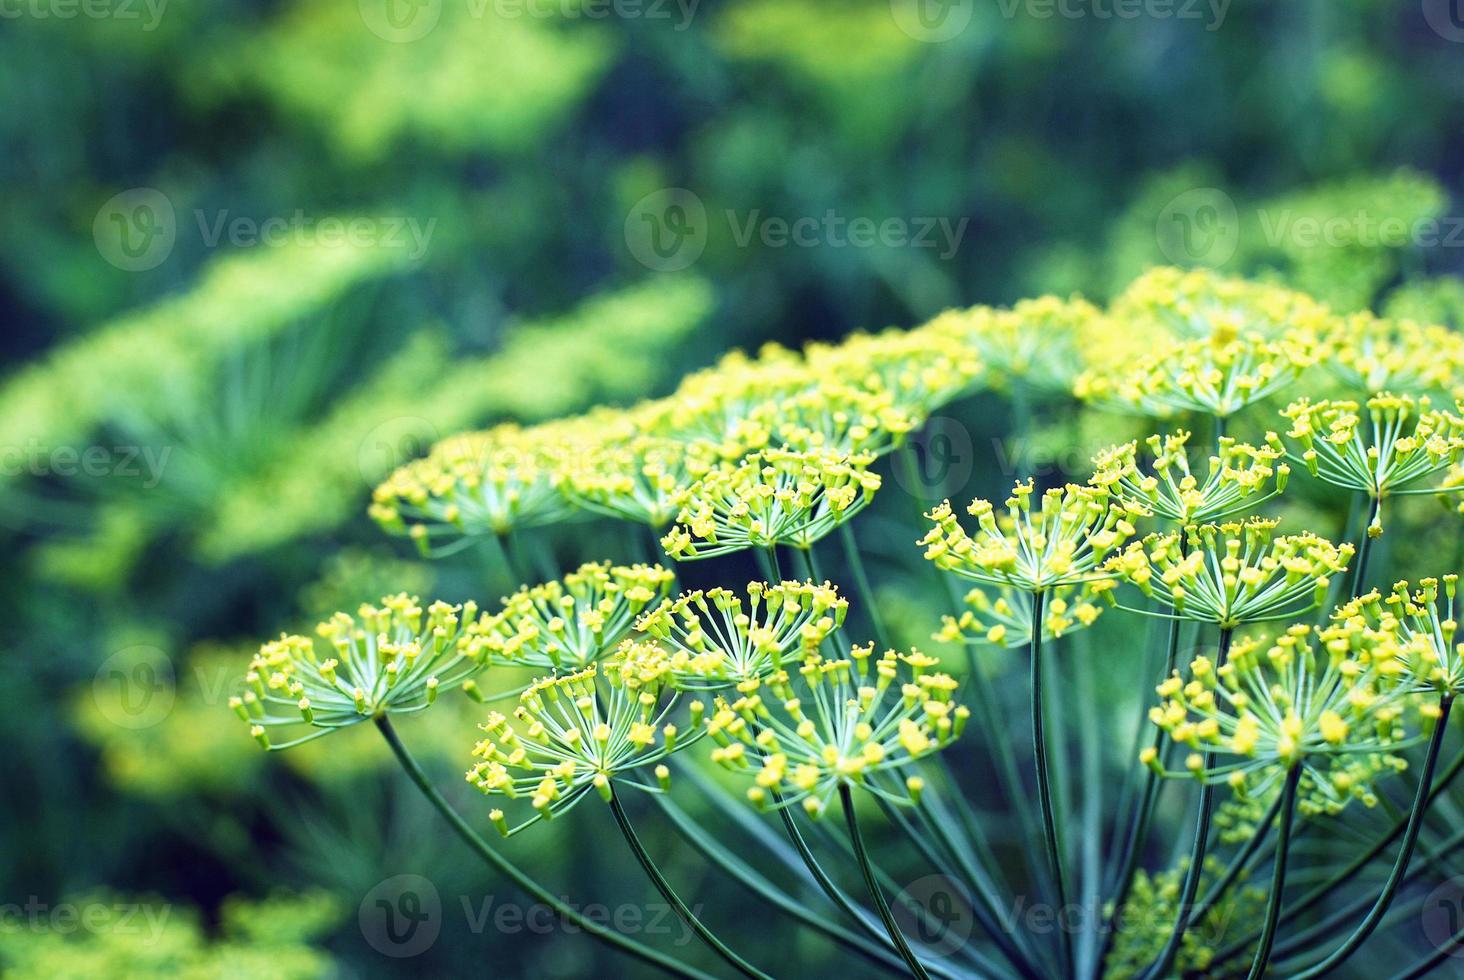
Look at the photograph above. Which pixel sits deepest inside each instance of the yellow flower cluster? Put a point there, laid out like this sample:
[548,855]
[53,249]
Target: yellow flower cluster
[568,623]
[391,658]
[776,496]
[1239,478]
[1231,574]
[1423,623]
[1369,353]
[579,732]
[1006,621]
[1062,541]
[857,722]
[1291,703]
[1399,442]
[716,639]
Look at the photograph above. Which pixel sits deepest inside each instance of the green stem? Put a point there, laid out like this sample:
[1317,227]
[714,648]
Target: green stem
[667,892]
[1237,864]
[1044,785]
[1197,851]
[1321,891]
[503,866]
[1278,874]
[917,970]
[855,561]
[1425,966]
[772,554]
[1364,549]
[1405,853]
[711,849]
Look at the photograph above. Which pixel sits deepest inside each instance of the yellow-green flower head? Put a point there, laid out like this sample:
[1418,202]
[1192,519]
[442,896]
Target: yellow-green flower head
[1199,304]
[713,406]
[922,369]
[1063,540]
[1369,353]
[777,496]
[581,731]
[1006,621]
[1399,442]
[1217,375]
[1232,574]
[1273,707]
[716,638]
[636,479]
[831,417]
[857,722]
[1423,622]
[477,483]
[570,623]
[387,659]
[1238,478]
[1039,342]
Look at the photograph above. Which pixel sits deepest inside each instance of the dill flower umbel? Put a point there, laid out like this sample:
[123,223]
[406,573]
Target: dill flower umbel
[636,478]
[580,731]
[777,496]
[571,622]
[1423,622]
[1006,621]
[1196,304]
[1239,478]
[1217,375]
[863,720]
[1062,541]
[1399,442]
[391,658]
[1038,343]
[715,638]
[1368,353]
[1231,574]
[1292,703]
[478,483]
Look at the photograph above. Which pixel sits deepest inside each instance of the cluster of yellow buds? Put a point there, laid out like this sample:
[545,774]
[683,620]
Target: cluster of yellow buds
[1040,343]
[859,721]
[715,638]
[391,658]
[921,369]
[834,417]
[1368,353]
[1238,478]
[579,732]
[1231,574]
[636,479]
[1196,304]
[776,496]
[572,622]
[1399,442]
[1294,702]
[473,484]
[1217,375]
[1064,540]
[1006,621]
[1423,623]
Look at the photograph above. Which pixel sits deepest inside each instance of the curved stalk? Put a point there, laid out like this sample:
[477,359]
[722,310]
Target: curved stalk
[855,561]
[1044,784]
[503,866]
[1405,852]
[667,892]
[1197,851]
[1364,548]
[1278,875]
[917,969]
